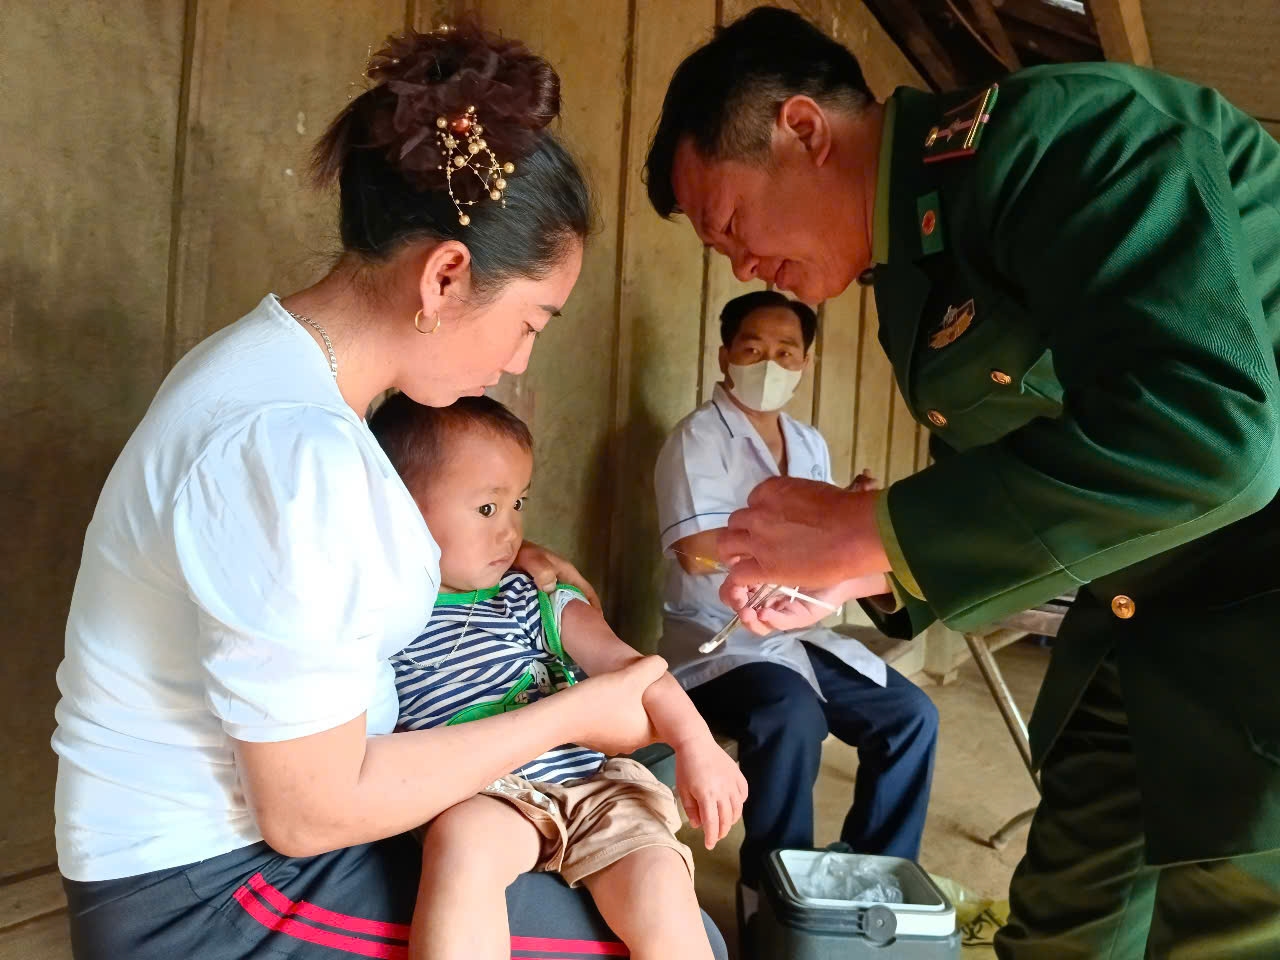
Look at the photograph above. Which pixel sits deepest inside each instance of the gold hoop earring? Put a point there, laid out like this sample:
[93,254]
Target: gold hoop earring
[417,323]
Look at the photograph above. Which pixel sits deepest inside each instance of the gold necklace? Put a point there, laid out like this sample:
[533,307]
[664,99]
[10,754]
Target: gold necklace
[328,344]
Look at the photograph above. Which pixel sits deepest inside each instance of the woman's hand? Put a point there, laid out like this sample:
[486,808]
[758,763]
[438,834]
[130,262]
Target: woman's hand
[711,788]
[549,569]
[608,713]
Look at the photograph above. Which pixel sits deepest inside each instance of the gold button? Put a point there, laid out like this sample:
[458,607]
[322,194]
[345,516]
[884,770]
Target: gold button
[1002,378]
[937,419]
[1123,607]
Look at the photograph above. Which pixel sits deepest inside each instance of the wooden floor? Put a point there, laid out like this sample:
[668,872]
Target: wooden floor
[33,921]
[979,783]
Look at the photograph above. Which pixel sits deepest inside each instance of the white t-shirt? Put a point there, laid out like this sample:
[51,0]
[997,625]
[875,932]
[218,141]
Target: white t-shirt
[252,563]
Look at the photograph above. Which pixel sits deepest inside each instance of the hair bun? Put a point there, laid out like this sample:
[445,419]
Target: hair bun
[422,76]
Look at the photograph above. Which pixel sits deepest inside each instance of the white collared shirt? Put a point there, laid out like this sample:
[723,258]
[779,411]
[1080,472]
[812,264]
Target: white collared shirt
[707,468]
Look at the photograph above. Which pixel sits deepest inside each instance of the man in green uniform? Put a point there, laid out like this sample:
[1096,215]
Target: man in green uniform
[1077,275]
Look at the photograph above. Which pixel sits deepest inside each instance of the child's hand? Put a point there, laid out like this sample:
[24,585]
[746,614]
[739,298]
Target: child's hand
[711,788]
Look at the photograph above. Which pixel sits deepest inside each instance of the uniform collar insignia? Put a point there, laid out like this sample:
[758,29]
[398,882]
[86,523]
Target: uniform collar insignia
[959,131]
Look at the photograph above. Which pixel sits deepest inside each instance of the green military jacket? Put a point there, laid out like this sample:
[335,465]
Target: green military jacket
[1083,305]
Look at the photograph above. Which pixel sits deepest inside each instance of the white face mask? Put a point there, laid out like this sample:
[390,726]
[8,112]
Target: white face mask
[764,386]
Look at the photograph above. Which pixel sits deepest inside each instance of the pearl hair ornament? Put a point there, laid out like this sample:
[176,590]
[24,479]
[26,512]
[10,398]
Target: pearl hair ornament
[463,147]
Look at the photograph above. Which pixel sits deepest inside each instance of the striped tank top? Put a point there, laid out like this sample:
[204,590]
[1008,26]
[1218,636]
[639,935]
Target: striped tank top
[506,656]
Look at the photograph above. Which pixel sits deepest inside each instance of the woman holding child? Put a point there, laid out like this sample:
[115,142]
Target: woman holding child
[225,787]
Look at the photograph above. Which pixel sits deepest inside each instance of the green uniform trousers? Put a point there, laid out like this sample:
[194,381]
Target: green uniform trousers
[1084,889]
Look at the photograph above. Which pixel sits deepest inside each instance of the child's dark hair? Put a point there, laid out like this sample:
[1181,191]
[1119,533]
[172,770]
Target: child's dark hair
[416,438]
[739,308]
[383,153]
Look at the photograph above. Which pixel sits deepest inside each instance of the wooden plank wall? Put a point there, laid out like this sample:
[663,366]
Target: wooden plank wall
[1230,47]
[249,220]
[658,360]
[567,390]
[157,185]
[86,180]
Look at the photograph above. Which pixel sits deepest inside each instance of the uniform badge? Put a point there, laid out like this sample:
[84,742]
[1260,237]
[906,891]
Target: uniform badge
[954,322]
[929,210]
[960,128]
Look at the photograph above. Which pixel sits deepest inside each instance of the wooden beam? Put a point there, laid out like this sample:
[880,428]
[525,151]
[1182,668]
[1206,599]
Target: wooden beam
[994,29]
[839,343]
[884,64]
[875,392]
[1078,26]
[906,24]
[1049,44]
[1121,30]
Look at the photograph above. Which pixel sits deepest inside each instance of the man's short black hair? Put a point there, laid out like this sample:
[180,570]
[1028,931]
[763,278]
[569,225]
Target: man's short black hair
[726,94]
[739,308]
[416,438]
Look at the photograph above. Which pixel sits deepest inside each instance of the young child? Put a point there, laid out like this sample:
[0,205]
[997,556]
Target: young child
[495,643]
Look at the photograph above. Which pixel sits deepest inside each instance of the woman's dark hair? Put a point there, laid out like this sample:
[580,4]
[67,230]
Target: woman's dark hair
[416,438]
[383,153]
[726,94]
[739,308]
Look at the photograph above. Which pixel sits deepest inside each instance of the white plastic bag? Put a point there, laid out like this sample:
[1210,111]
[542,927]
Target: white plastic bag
[838,876]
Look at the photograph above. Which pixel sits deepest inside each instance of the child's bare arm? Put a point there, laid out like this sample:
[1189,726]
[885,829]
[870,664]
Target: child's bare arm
[708,782]
[591,642]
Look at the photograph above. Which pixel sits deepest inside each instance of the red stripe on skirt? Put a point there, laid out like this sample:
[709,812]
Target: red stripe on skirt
[325,938]
[376,928]
[379,928]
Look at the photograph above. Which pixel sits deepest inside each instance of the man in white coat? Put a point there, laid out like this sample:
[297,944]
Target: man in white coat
[779,695]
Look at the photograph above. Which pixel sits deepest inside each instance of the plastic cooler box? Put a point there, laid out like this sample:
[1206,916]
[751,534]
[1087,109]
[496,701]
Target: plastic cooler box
[791,925]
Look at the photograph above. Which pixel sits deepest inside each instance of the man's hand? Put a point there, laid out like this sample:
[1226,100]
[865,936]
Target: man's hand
[547,569]
[803,532]
[863,482]
[711,788]
[788,614]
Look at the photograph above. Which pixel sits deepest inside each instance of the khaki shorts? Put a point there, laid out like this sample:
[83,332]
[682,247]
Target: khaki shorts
[587,825]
